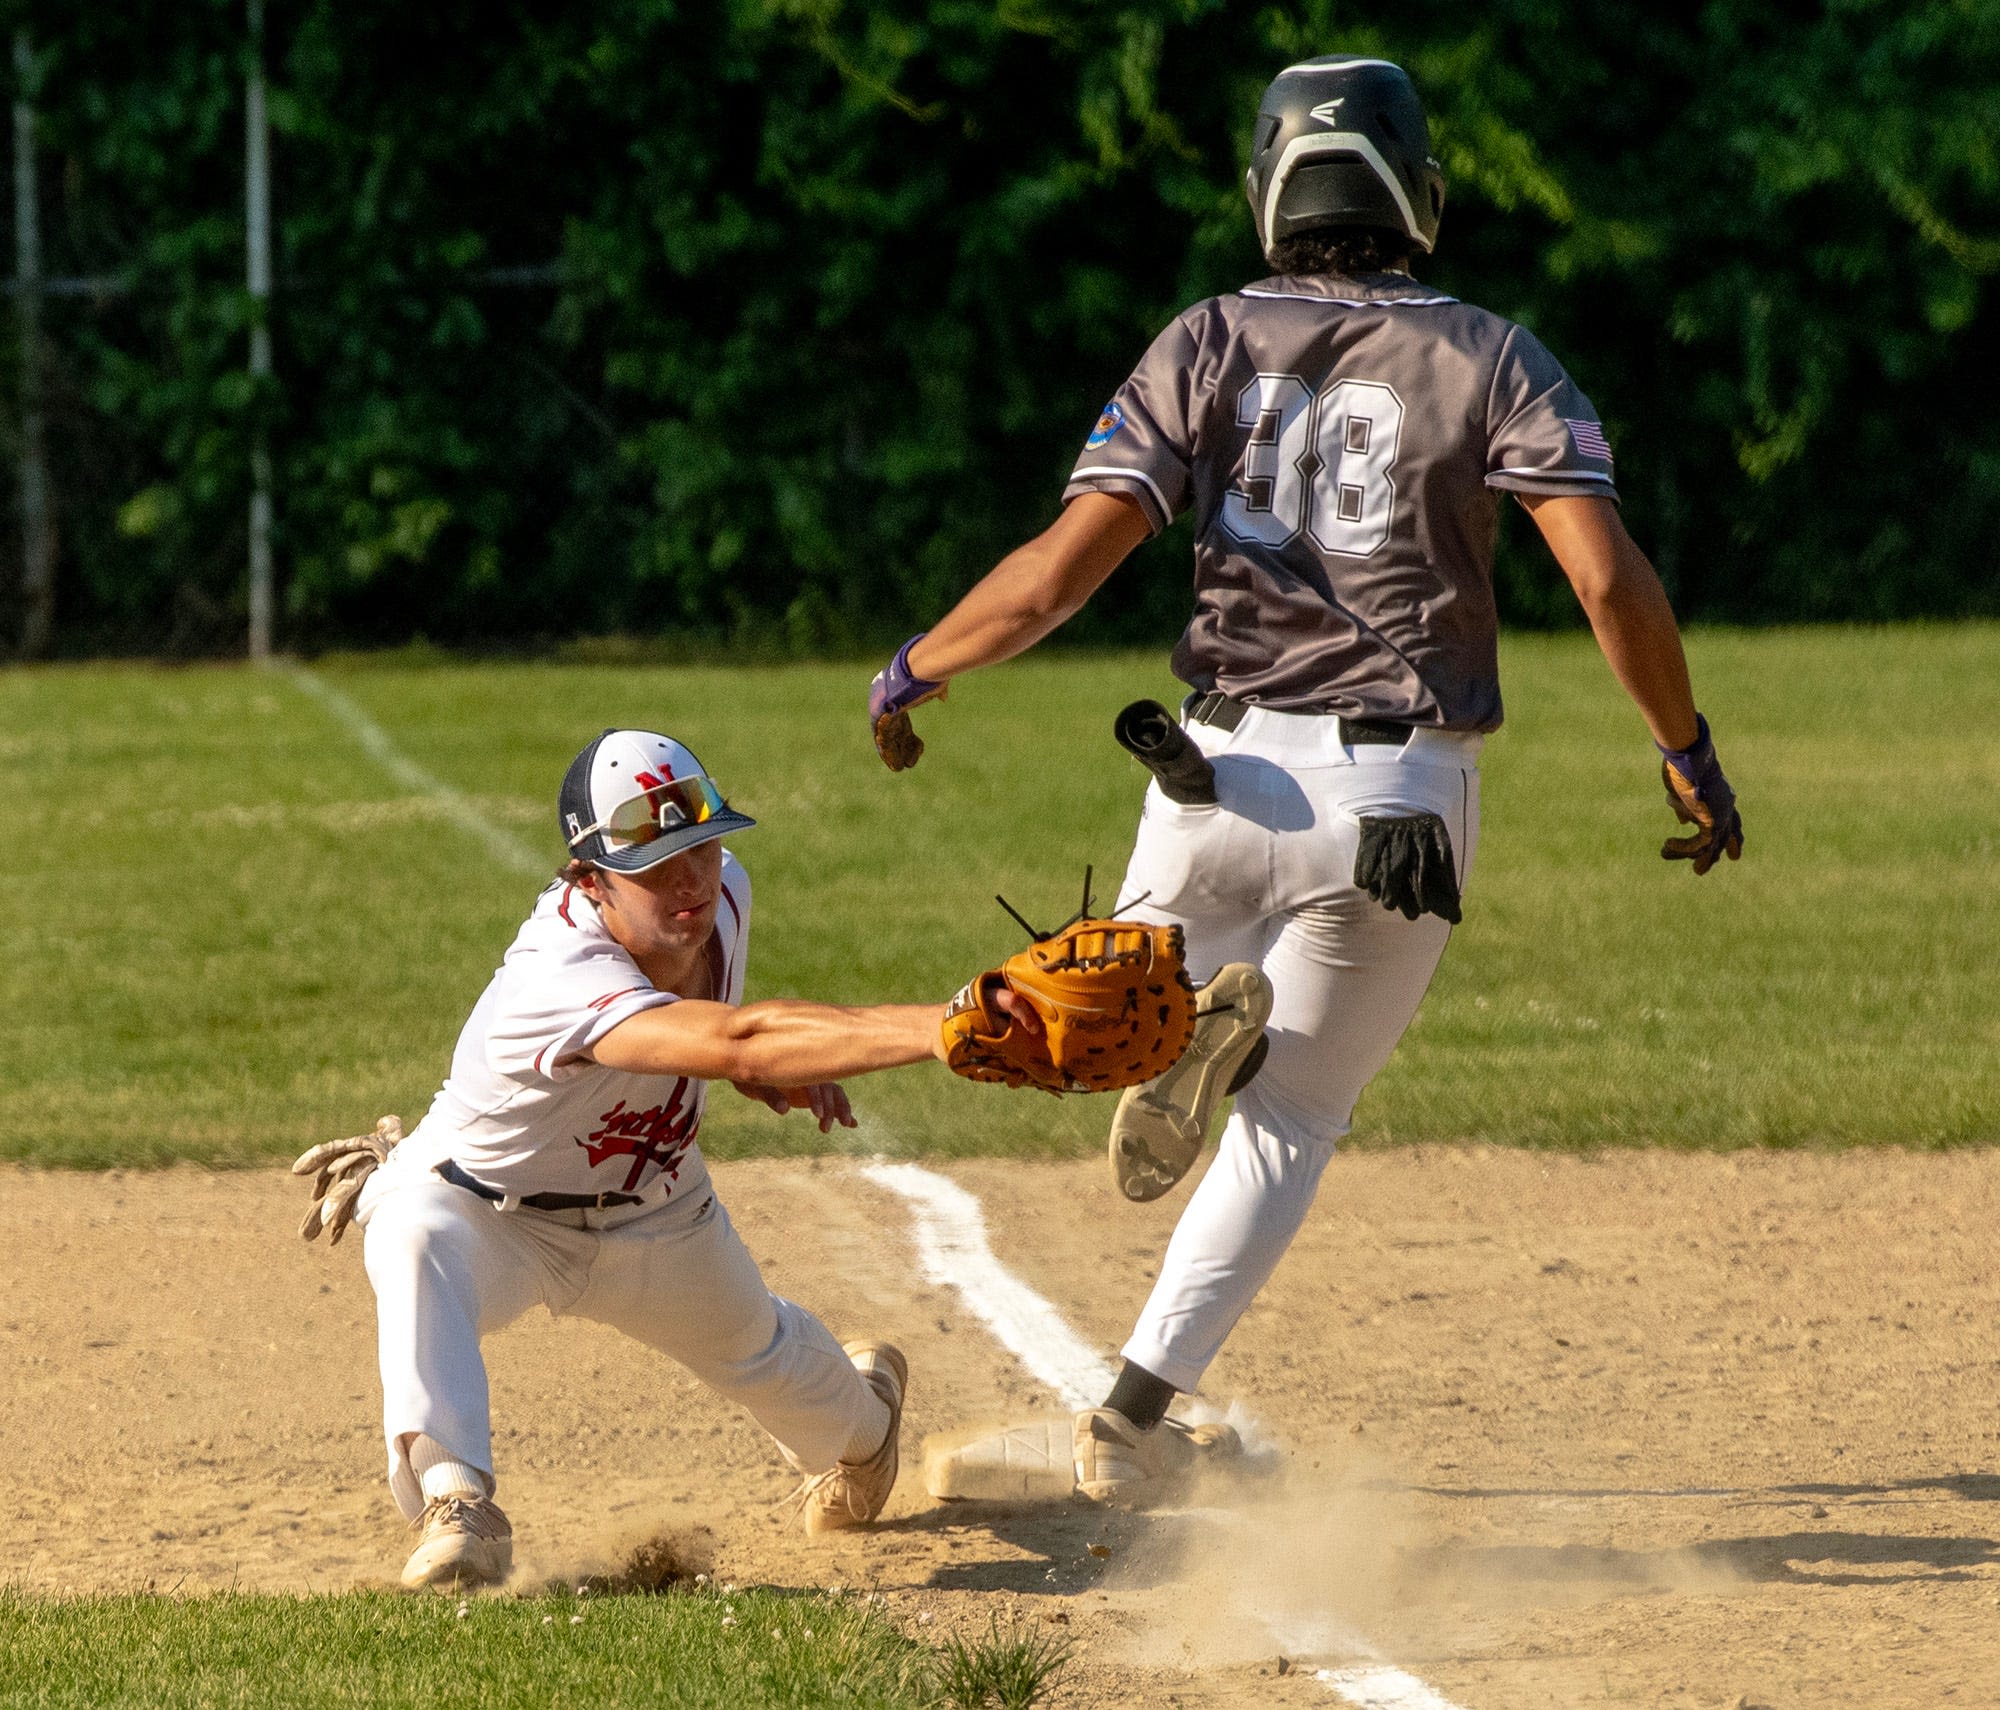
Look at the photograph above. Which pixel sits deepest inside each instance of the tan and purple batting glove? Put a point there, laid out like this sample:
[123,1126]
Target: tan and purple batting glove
[895,690]
[1700,795]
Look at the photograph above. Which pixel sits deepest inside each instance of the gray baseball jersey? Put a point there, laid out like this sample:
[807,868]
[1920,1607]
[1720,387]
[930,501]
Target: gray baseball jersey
[1343,444]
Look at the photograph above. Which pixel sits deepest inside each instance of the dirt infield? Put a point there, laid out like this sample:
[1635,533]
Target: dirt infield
[1641,1429]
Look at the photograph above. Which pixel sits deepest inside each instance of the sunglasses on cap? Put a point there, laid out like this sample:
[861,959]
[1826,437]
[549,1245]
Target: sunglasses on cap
[666,808]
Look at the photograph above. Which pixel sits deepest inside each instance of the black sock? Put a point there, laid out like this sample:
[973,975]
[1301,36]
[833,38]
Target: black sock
[1140,1396]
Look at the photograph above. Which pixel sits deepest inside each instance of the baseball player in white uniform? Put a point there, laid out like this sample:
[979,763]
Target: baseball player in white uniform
[558,1164]
[1343,435]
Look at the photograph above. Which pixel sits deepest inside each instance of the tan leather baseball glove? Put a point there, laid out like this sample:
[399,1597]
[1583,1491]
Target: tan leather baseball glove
[1114,1000]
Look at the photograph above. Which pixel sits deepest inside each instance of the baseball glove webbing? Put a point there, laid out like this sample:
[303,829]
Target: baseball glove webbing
[1113,998]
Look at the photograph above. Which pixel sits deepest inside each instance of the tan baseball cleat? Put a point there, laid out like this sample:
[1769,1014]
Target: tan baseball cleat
[1158,1130]
[854,1493]
[466,1542]
[1124,1467]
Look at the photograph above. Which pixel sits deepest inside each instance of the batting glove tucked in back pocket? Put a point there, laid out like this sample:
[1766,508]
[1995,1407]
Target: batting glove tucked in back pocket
[1405,863]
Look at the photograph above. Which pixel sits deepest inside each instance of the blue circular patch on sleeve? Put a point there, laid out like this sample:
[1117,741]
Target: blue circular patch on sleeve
[1107,424]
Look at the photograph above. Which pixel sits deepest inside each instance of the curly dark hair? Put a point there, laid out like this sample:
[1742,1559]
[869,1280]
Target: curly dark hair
[1343,250]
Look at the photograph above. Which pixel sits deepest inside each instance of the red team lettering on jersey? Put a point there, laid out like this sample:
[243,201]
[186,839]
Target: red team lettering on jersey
[658,1136]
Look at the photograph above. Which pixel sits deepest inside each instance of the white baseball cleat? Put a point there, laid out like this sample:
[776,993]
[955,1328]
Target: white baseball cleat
[466,1542]
[1159,1127]
[854,1493]
[1122,1466]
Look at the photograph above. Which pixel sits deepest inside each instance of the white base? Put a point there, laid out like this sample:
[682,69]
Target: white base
[1029,1462]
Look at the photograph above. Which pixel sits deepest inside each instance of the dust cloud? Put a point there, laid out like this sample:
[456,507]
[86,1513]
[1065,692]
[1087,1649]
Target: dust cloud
[1323,1556]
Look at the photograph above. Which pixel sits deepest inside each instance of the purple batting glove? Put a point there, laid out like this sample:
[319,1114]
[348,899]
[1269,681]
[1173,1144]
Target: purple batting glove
[895,690]
[1700,795]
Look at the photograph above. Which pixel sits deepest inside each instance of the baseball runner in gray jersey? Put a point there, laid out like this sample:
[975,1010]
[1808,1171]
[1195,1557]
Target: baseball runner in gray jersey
[1343,434]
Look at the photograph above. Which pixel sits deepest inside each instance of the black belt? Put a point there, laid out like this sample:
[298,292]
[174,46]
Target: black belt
[450,1172]
[1219,710]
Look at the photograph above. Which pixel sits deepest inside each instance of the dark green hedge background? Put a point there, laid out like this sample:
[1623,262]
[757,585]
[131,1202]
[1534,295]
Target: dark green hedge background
[841,287]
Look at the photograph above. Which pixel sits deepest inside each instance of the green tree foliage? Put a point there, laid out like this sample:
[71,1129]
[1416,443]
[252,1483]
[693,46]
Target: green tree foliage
[781,319]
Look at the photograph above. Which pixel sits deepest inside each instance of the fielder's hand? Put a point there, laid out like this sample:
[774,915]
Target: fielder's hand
[342,1167]
[827,1100]
[890,698]
[1700,795]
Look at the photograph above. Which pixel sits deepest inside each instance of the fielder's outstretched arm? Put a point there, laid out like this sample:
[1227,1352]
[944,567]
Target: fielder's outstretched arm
[1621,595]
[779,1042]
[782,1042]
[1035,589]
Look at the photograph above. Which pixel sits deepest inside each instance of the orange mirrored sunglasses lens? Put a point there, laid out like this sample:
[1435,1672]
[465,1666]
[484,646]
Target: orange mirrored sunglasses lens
[669,808]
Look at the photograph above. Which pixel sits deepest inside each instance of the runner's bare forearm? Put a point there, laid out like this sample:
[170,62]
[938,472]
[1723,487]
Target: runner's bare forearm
[1034,590]
[1628,610]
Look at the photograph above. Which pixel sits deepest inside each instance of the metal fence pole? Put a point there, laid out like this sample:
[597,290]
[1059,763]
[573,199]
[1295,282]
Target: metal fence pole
[38,546]
[257,223]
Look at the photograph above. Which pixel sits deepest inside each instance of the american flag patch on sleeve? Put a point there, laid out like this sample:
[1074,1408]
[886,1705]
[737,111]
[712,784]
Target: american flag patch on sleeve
[1588,437]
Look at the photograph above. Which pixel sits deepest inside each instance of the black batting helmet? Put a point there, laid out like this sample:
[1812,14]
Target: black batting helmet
[1343,142]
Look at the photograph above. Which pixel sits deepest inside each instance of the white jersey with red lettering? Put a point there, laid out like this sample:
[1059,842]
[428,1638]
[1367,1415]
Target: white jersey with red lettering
[524,1111]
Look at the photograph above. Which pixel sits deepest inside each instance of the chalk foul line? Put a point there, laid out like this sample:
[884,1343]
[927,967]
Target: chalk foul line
[1380,1687]
[510,851]
[953,1252]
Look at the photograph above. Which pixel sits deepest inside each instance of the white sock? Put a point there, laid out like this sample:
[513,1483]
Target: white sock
[440,1474]
[869,1436]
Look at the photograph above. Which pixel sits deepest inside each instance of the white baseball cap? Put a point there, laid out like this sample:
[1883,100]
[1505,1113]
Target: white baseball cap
[635,798]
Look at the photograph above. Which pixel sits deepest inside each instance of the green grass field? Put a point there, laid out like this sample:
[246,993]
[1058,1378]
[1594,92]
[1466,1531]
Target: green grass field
[748,1650]
[234,932]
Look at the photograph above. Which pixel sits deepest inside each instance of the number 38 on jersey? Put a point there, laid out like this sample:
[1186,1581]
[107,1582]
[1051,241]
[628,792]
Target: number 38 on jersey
[1318,465]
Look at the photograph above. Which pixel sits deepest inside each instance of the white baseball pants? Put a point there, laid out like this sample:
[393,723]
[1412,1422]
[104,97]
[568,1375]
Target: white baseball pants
[1267,876]
[449,1267]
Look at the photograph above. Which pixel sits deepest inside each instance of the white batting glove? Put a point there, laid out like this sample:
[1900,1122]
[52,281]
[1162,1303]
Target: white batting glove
[342,1167]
